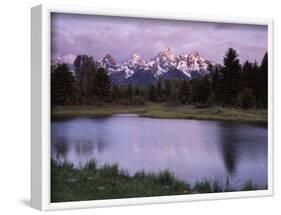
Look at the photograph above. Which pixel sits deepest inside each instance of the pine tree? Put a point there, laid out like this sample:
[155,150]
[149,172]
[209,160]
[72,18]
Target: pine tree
[185,92]
[247,73]
[85,70]
[231,77]
[167,89]
[101,84]
[175,89]
[63,91]
[202,89]
[255,82]
[129,92]
[115,92]
[217,85]
[159,90]
[152,93]
[264,80]
[137,91]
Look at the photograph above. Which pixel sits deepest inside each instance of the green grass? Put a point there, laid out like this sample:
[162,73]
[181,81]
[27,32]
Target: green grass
[161,110]
[110,182]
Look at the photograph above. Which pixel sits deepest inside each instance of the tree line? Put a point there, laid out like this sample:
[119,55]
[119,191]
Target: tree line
[231,84]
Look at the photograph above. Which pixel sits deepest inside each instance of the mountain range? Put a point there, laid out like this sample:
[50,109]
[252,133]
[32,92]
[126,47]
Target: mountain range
[165,64]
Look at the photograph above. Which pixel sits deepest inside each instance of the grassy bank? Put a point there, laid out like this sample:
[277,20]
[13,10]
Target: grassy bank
[161,110]
[110,182]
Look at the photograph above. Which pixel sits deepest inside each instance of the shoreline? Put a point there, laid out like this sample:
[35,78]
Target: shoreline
[163,111]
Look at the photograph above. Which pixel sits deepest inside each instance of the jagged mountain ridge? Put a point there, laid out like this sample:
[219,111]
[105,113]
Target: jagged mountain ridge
[165,64]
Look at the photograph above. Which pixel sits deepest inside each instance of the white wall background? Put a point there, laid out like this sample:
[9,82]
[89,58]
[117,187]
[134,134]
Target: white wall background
[15,104]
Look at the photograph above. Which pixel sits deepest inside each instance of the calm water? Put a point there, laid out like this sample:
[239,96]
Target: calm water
[191,149]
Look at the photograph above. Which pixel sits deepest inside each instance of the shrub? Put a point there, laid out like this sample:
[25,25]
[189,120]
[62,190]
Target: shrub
[91,165]
[202,187]
[217,187]
[246,99]
[212,100]
[249,185]
[165,177]
[138,100]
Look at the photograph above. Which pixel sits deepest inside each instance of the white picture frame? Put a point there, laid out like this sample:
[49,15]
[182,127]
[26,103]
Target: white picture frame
[40,108]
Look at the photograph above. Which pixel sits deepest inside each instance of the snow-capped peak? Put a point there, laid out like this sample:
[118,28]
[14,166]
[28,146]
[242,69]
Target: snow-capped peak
[108,60]
[109,63]
[194,54]
[167,54]
[136,59]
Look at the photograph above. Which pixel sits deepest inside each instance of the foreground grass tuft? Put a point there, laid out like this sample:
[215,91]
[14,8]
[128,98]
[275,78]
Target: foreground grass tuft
[249,186]
[110,182]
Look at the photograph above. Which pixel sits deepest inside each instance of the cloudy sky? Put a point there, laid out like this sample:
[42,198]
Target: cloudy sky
[122,37]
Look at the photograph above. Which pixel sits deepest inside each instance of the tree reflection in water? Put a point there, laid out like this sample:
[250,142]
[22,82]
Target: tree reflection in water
[60,148]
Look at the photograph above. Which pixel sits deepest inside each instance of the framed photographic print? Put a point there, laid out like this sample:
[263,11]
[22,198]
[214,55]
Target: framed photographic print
[138,107]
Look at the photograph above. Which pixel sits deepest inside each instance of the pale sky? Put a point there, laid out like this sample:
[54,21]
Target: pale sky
[122,37]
